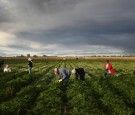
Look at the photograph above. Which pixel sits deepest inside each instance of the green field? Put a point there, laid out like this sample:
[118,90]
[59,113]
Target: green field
[39,93]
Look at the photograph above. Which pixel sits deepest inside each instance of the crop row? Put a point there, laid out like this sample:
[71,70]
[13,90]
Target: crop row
[40,92]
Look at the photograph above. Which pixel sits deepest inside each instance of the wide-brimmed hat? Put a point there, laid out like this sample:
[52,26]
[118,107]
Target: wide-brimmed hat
[29,59]
[73,71]
[7,66]
[55,69]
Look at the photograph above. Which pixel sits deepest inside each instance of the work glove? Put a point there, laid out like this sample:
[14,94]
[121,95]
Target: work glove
[60,80]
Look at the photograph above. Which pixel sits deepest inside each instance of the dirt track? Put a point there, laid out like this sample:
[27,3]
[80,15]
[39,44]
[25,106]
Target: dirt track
[73,57]
[112,58]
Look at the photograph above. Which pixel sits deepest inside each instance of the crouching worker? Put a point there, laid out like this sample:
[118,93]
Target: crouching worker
[7,68]
[79,72]
[108,69]
[63,76]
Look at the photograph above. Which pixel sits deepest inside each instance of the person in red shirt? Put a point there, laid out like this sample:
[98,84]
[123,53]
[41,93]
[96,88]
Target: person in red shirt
[108,68]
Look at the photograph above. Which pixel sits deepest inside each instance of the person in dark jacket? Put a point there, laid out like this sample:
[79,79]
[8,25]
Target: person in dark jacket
[63,75]
[79,73]
[30,65]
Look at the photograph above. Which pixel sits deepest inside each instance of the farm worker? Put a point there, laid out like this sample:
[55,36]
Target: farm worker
[108,68]
[7,68]
[79,72]
[30,65]
[63,76]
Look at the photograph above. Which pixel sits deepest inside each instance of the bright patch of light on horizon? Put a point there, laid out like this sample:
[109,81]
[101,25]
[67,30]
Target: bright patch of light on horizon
[91,50]
[99,49]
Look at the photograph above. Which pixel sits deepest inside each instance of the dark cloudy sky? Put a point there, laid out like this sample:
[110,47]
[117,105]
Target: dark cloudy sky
[67,27]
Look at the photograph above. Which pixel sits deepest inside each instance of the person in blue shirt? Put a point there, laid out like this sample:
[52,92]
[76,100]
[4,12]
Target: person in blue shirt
[63,75]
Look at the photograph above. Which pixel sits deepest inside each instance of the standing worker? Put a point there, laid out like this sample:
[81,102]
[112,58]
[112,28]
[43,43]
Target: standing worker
[108,68]
[30,65]
[63,76]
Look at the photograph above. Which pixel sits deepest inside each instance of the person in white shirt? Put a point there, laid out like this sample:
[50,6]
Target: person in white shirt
[7,68]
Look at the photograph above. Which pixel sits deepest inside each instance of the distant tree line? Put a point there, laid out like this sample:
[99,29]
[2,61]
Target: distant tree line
[28,55]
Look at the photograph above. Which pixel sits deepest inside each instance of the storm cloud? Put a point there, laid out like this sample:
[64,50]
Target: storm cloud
[67,27]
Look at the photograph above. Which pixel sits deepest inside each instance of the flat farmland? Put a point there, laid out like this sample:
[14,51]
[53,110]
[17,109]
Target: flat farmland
[40,94]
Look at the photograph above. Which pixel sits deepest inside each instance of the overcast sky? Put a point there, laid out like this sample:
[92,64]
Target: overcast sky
[67,27]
